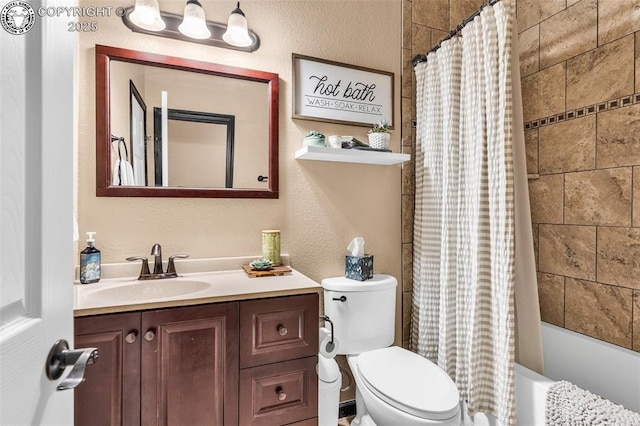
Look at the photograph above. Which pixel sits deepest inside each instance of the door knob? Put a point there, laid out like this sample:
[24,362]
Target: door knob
[150,335]
[60,357]
[131,336]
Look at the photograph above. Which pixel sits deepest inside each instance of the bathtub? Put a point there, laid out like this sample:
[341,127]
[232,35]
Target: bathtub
[531,394]
[604,369]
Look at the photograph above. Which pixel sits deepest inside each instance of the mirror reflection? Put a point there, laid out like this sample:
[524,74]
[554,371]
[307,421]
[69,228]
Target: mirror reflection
[178,127]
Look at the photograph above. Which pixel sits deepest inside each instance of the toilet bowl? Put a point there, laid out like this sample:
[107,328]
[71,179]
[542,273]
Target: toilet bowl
[398,387]
[394,386]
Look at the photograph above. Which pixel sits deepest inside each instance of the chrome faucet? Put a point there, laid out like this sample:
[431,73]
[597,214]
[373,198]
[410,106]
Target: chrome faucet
[156,252]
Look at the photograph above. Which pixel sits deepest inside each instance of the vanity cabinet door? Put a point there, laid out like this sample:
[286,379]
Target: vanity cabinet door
[110,393]
[190,368]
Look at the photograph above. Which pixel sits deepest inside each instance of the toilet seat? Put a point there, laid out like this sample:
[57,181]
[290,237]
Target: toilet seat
[409,382]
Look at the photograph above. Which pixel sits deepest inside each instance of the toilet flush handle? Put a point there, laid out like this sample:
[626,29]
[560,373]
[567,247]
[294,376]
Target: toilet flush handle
[342,298]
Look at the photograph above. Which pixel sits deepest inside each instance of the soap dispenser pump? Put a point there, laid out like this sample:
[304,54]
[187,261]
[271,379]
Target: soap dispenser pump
[90,262]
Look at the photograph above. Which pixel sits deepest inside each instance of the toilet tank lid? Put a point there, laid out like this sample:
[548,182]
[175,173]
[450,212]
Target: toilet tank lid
[377,283]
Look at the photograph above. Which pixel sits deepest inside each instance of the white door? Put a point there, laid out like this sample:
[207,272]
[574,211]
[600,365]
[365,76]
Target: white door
[36,215]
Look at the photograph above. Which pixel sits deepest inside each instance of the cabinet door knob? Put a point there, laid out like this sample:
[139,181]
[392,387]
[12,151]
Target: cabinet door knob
[281,394]
[282,330]
[131,336]
[150,335]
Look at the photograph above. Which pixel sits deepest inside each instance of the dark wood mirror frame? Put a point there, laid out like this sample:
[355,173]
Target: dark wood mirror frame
[105,54]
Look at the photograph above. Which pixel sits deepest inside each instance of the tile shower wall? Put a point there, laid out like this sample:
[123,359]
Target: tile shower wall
[580,75]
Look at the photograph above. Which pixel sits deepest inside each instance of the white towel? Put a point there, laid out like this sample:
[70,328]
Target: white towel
[122,173]
[569,405]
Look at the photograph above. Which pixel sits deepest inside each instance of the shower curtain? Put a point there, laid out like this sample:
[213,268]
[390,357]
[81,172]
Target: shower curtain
[465,212]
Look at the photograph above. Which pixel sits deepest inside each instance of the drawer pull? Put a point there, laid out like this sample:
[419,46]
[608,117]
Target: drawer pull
[150,335]
[281,394]
[131,336]
[282,330]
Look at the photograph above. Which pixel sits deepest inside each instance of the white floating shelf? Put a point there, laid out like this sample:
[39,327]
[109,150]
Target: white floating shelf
[340,155]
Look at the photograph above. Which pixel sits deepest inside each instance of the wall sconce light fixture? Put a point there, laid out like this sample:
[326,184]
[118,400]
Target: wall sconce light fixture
[145,17]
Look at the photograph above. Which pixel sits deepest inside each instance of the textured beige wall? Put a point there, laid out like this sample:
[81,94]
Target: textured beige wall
[579,60]
[322,206]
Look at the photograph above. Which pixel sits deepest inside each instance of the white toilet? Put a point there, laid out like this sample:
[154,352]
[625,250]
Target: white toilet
[394,386]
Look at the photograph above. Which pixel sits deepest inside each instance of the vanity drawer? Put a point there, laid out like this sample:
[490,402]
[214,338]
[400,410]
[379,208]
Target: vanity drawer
[280,393]
[279,329]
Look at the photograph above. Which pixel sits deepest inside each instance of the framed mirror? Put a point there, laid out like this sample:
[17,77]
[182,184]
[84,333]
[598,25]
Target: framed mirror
[192,128]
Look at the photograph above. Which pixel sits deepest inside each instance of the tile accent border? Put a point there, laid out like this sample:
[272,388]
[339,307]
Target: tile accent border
[620,102]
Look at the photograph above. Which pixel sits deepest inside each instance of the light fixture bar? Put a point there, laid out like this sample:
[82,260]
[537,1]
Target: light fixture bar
[171,31]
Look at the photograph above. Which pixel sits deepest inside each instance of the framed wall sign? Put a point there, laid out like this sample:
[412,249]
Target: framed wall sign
[341,93]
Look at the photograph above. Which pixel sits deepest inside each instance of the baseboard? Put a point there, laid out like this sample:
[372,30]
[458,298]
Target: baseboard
[347,408]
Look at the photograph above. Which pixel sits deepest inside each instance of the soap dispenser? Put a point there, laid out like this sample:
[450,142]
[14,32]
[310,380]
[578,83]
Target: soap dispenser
[90,262]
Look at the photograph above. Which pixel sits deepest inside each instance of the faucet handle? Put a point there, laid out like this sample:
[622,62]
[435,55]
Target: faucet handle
[145,264]
[171,268]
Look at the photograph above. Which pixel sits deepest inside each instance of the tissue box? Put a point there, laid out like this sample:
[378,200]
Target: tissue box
[359,267]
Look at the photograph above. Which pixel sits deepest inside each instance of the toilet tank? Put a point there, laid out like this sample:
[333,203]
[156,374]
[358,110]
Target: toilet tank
[363,312]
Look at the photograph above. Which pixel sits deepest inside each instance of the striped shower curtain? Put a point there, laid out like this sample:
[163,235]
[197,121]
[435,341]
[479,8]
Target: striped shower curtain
[464,231]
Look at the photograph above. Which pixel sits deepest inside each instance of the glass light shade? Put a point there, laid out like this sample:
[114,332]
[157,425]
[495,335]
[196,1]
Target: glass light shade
[194,24]
[146,15]
[237,33]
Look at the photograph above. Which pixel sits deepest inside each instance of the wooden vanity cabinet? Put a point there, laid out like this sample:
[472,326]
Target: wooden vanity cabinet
[234,363]
[110,393]
[173,366]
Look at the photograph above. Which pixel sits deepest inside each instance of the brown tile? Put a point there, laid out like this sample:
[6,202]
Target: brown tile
[568,250]
[636,320]
[437,36]
[431,13]
[529,45]
[407,218]
[407,300]
[599,310]
[572,2]
[544,93]
[636,196]
[598,197]
[406,121]
[407,74]
[568,146]
[618,141]
[536,242]
[551,297]
[637,62]
[408,176]
[619,256]
[569,33]
[617,18]
[531,12]
[460,10]
[407,267]
[531,147]
[406,24]
[600,74]
[420,39]
[545,196]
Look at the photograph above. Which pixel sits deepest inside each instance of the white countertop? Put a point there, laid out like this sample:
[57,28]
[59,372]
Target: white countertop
[125,294]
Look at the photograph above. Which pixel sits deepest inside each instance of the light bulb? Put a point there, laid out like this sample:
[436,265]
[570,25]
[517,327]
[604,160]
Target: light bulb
[146,15]
[237,33]
[194,24]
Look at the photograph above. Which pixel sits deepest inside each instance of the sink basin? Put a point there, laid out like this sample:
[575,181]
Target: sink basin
[136,291]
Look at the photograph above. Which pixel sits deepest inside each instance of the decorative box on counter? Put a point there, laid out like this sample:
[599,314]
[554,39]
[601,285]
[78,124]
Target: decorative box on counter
[359,267]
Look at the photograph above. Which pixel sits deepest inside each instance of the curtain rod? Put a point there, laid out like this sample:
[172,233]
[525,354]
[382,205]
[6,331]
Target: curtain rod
[423,56]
